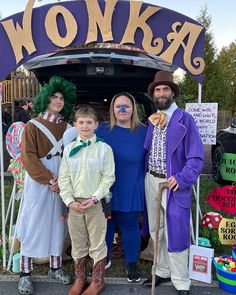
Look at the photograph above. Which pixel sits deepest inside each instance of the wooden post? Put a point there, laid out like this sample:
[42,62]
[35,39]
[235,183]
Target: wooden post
[12,96]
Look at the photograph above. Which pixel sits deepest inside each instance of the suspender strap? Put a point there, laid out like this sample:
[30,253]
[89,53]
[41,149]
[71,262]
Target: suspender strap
[57,145]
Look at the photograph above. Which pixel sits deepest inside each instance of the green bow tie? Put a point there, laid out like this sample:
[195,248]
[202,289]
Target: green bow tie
[75,150]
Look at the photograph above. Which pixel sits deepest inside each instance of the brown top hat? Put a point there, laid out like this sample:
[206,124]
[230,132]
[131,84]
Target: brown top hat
[163,78]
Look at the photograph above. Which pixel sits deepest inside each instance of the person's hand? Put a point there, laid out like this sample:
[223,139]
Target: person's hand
[54,185]
[88,204]
[76,206]
[172,183]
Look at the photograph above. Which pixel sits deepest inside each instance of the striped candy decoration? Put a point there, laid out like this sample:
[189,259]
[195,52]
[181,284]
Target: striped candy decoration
[13,139]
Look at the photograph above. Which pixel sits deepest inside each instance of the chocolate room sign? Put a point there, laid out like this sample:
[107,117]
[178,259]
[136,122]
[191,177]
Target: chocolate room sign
[172,36]
[223,198]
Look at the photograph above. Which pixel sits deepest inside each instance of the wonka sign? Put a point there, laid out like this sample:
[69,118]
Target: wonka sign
[159,31]
[223,198]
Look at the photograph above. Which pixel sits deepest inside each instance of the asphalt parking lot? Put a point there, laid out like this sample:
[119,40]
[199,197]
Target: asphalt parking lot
[115,286]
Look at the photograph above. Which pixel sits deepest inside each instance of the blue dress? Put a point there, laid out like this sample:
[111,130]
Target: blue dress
[129,154]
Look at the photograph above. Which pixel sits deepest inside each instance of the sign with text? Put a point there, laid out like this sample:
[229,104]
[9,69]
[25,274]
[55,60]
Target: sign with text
[227,231]
[223,198]
[205,116]
[200,263]
[172,36]
[228,167]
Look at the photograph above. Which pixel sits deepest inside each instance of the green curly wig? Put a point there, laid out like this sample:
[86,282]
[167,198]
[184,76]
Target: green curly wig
[56,84]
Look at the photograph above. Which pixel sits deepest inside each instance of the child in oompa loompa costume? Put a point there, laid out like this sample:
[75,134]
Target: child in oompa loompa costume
[42,224]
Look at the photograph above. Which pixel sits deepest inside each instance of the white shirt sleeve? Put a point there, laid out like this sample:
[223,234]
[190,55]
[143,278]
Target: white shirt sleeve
[69,135]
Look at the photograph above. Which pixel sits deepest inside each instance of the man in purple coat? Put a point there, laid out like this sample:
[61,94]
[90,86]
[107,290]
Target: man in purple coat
[175,155]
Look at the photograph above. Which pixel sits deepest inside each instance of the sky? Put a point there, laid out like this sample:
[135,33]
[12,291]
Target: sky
[222,13]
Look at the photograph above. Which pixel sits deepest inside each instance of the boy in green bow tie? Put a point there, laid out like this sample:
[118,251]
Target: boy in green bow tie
[86,174]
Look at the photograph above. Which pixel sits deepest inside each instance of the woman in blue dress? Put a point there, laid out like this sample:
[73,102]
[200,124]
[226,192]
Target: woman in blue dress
[126,134]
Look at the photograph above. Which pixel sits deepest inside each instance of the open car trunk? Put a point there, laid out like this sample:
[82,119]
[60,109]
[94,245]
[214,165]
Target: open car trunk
[99,71]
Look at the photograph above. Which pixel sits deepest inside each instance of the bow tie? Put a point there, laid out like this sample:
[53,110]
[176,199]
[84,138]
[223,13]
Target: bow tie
[76,149]
[158,119]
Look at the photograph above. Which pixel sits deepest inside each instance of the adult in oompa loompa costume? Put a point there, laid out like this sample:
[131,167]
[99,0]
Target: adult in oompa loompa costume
[42,221]
[175,155]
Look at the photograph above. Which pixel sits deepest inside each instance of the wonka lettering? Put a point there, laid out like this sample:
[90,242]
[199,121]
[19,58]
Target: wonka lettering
[122,22]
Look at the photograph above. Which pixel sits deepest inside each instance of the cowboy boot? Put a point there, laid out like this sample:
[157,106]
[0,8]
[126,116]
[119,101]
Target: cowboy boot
[98,284]
[81,278]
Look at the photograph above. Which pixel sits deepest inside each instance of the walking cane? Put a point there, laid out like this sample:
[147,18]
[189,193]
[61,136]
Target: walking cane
[161,187]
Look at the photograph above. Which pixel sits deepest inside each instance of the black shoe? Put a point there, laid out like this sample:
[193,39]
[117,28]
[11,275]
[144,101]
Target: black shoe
[132,273]
[183,292]
[158,280]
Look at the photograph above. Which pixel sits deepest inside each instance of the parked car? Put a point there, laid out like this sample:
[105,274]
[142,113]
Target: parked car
[225,143]
[101,70]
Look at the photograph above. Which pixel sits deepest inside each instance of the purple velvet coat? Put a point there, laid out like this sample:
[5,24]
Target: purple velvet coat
[185,158]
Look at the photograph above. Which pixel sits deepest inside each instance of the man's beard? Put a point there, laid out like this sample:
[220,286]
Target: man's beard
[163,104]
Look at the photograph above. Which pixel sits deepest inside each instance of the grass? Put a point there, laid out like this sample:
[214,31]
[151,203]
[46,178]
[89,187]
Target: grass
[118,268]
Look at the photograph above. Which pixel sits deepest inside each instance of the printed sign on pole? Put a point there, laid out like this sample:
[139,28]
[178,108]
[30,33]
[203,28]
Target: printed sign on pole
[205,116]
[200,259]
